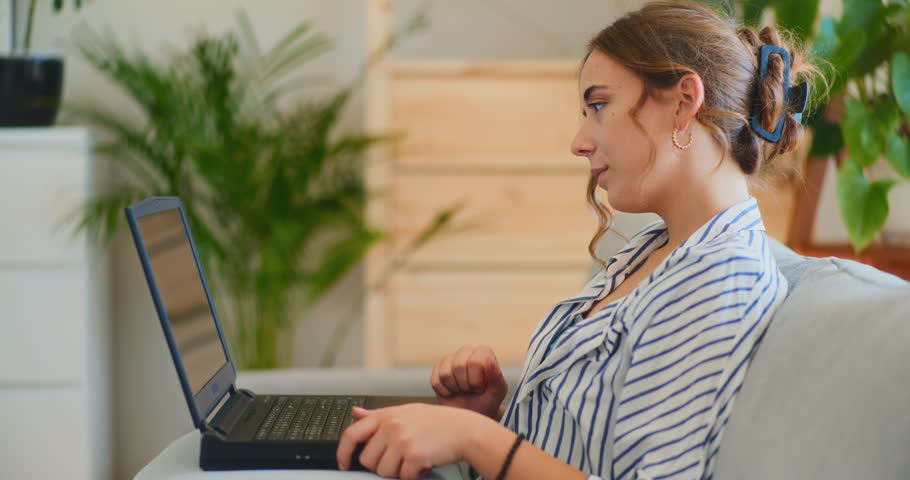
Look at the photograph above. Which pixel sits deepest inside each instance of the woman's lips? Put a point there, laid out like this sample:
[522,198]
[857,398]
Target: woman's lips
[595,172]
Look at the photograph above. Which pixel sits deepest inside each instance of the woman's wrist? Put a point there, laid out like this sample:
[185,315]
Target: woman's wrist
[483,438]
[485,444]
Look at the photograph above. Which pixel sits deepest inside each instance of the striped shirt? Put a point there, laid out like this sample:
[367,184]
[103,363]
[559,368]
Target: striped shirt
[643,388]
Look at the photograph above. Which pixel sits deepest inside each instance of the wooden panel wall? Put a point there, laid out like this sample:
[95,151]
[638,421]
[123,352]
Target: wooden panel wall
[494,137]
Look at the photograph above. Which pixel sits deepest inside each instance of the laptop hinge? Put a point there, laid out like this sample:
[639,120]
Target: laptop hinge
[221,434]
[229,411]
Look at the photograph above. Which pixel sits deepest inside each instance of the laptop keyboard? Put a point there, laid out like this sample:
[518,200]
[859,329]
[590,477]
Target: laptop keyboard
[307,418]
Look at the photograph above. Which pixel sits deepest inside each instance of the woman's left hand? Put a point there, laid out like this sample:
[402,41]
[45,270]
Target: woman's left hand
[406,441]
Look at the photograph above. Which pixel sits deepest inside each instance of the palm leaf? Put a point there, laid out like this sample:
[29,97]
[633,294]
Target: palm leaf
[263,187]
[101,215]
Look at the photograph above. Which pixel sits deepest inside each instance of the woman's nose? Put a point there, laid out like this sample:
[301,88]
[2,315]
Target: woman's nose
[582,145]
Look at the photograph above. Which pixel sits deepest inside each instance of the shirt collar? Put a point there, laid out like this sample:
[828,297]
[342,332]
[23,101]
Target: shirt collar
[742,216]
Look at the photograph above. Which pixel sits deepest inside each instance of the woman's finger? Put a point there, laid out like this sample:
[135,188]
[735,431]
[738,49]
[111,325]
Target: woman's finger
[460,368]
[373,450]
[358,432]
[437,384]
[390,463]
[446,376]
[413,471]
[493,371]
[476,377]
[360,412]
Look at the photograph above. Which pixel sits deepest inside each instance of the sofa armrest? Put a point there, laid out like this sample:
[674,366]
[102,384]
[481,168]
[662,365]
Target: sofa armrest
[398,381]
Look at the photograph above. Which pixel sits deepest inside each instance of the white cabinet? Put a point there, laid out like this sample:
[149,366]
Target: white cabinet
[55,405]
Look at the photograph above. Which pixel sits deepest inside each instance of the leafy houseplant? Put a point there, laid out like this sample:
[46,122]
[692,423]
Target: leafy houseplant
[869,50]
[266,181]
[869,46]
[30,86]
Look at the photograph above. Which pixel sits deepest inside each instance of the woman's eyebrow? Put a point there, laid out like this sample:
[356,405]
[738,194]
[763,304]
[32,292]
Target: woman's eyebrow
[590,90]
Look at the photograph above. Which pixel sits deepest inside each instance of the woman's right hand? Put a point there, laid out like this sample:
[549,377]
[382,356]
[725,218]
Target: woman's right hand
[470,378]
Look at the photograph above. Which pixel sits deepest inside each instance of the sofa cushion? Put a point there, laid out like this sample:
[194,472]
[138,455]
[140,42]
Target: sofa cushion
[827,392]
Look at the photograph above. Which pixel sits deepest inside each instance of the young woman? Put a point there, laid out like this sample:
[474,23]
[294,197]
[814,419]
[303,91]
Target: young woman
[634,378]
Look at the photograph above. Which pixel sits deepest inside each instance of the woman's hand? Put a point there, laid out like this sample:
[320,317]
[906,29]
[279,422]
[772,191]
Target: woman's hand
[470,378]
[406,441]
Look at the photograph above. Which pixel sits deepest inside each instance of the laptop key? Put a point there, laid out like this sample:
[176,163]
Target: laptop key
[295,432]
[349,417]
[317,422]
[308,418]
[333,423]
[283,421]
[270,418]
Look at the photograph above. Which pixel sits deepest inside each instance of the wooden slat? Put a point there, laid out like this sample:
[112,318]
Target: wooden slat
[485,119]
[526,68]
[437,312]
[378,175]
[521,220]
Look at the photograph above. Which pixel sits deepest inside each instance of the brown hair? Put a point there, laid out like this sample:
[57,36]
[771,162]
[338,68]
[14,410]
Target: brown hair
[665,40]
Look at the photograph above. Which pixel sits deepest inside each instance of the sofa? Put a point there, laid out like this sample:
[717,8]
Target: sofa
[826,396]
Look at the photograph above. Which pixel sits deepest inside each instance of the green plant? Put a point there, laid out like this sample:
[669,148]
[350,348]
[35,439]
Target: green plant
[869,47]
[795,16]
[869,81]
[266,181]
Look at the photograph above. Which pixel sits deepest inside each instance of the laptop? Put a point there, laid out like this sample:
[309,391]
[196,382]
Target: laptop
[239,429]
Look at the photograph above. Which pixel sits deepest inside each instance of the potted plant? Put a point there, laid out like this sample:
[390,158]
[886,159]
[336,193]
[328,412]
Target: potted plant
[869,46]
[267,181]
[863,121]
[30,85]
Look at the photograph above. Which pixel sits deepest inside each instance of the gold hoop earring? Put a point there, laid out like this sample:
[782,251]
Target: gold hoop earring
[676,142]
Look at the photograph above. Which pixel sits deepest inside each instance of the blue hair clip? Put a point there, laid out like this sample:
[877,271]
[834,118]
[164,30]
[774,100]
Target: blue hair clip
[796,97]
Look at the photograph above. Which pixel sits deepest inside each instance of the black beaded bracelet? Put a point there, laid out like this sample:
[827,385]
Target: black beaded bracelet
[505,465]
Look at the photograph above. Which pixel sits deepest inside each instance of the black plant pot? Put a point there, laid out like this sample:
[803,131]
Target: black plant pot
[30,90]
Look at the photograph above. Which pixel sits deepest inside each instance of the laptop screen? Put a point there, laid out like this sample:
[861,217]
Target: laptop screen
[182,295]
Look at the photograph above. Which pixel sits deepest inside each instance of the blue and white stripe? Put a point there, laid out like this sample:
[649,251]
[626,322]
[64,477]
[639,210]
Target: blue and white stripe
[644,388]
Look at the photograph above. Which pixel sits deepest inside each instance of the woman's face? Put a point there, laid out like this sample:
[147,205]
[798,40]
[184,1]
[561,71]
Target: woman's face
[616,147]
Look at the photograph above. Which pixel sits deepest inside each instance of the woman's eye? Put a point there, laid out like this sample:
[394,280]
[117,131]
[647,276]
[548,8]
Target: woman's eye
[596,106]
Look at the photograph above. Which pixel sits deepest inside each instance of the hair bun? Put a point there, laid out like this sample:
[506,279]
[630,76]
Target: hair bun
[770,91]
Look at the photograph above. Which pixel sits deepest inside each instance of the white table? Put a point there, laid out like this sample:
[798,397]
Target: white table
[180,461]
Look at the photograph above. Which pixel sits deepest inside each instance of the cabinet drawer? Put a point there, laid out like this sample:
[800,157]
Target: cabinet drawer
[45,434]
[44,325]
[41,187]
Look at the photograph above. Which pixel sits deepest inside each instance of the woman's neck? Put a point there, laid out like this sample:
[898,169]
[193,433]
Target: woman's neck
[695,200]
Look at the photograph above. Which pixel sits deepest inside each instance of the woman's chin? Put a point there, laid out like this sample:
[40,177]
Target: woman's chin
[619,203]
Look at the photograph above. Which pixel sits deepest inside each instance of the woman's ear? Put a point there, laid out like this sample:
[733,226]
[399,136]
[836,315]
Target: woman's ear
[690,93]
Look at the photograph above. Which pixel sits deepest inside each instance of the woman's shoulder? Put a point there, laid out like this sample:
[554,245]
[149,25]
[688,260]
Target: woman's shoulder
[735,249]
[739,261]
[732,273]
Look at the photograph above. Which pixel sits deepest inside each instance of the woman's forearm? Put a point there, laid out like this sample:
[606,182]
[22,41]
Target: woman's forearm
[489,445]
